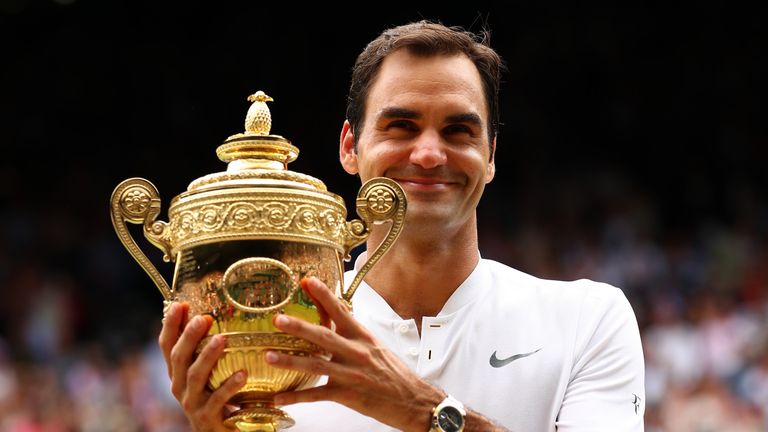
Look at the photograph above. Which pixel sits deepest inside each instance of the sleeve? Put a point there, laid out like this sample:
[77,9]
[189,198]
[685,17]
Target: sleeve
[606,390]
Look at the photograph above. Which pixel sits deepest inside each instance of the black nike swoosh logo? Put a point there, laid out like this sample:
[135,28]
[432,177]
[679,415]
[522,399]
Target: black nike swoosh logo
[497,363]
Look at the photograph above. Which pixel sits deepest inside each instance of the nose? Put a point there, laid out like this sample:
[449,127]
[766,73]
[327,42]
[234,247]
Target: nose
[428,150]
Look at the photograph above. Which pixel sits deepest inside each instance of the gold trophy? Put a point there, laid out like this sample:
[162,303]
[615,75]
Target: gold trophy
[242,240]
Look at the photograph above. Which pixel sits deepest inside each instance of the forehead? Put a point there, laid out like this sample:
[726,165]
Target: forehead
[447,82]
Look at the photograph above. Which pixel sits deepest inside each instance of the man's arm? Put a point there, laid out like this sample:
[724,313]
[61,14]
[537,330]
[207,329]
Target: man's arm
[362,374]
[606,390]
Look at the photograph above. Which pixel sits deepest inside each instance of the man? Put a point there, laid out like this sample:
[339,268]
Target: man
[432,318]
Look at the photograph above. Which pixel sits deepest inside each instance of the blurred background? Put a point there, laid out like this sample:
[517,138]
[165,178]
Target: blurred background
[633,151]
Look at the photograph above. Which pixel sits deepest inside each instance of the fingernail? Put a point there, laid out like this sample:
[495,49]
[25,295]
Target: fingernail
[239,377]
[196,323]
[271,357]
[281,320]
[215,342]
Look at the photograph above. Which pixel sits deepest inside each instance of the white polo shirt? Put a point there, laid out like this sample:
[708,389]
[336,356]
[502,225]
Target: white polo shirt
[531,354]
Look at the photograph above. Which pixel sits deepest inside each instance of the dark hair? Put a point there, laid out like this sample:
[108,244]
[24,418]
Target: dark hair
[426,38]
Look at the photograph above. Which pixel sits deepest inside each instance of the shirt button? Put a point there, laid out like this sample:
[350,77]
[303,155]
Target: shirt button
[403,328]
[413,351]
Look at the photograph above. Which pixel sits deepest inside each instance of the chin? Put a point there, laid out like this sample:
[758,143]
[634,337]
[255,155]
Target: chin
[428,217]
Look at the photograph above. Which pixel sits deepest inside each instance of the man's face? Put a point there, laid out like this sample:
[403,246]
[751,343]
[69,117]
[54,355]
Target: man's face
[425,127]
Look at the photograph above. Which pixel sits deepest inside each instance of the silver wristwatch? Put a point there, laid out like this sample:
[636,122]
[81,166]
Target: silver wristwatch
[448,416]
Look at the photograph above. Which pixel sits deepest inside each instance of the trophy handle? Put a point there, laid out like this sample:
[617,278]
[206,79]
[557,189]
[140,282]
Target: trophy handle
[137,201]
[380,200]
[241,270]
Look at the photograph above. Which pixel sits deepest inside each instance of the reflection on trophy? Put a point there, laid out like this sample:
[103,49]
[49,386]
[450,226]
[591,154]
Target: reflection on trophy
[242,240]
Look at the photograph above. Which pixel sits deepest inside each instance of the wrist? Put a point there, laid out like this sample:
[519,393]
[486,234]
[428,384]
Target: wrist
[417,413]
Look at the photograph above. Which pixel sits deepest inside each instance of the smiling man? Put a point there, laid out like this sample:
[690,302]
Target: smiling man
[440,339]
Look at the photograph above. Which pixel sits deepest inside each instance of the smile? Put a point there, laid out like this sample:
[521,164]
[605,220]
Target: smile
[426,184]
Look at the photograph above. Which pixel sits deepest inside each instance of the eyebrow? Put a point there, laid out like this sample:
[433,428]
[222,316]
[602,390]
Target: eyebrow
[469,117]
[396,112]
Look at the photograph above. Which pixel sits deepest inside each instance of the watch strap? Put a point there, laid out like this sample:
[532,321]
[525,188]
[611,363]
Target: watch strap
[450,403]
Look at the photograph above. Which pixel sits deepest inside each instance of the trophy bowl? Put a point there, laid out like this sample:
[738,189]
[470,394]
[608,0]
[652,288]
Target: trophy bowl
[241,241]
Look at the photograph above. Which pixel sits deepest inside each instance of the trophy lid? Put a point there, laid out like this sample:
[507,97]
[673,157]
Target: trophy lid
[256,157]
[257,197]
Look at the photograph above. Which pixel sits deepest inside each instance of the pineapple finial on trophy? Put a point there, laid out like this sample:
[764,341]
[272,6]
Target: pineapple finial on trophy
[256,147]
[258,120]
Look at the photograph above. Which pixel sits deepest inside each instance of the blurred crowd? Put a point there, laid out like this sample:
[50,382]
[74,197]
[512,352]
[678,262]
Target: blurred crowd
[79,318]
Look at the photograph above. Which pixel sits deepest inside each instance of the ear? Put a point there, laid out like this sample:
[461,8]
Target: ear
[491,169]
[347,152]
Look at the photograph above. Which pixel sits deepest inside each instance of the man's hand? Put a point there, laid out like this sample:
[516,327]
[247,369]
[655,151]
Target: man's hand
[189,374]
[362,373]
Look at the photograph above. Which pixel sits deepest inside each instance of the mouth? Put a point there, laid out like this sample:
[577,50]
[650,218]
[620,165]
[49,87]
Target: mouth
[425,184]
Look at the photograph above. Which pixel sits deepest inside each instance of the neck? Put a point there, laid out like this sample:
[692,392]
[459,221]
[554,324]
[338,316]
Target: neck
[420,273]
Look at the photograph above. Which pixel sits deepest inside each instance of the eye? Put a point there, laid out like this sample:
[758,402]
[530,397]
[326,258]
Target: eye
[458,128]
[402,124]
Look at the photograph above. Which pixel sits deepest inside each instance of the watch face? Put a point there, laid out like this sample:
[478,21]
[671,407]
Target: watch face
[450,419]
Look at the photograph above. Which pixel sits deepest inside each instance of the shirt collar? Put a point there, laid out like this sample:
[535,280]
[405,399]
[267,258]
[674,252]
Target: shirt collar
[473,287]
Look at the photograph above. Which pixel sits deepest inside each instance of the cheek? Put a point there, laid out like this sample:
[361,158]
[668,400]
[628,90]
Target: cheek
[377,159]
[476,165]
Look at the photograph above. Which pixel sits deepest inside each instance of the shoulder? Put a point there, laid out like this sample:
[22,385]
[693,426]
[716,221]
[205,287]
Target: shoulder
[509,280]
[581,305]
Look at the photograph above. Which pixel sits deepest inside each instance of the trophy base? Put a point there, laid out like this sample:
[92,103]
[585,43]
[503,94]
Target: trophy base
[259,417]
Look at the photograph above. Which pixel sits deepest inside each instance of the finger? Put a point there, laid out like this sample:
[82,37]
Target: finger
[327,300]
[183,352]
[336,372]
[314,394]
[172,328]
[325,319]
[200,370]
[208,415]
[219,398]
[319,335]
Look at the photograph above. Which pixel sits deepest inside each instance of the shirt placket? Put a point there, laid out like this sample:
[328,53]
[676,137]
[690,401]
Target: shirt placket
[434,337]
[407,336]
